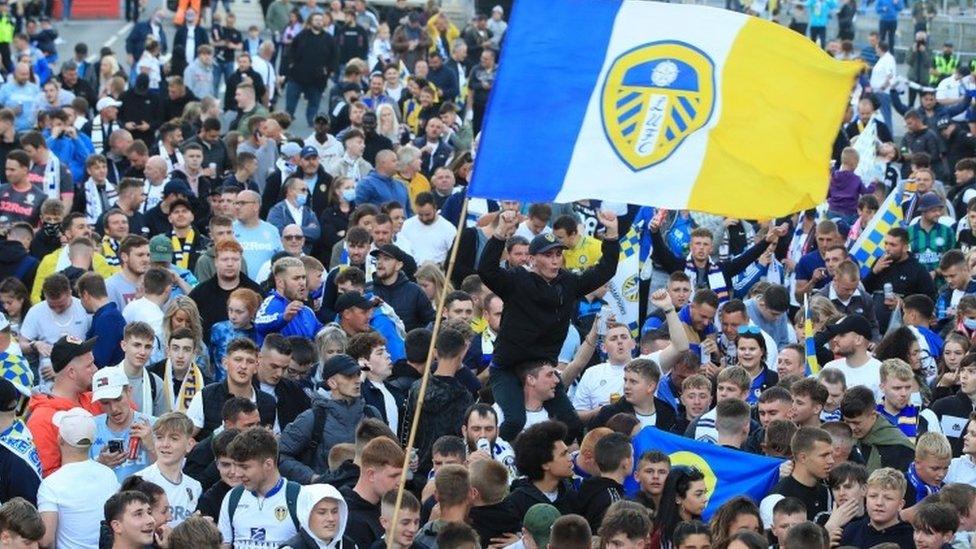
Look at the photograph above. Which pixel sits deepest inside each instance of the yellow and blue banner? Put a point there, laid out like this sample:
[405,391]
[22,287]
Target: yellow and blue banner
[869,245]
[669,105]
[623,290]
[810,346]
[728,472]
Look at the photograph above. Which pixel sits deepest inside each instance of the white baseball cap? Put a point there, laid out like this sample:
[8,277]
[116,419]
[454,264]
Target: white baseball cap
[76,426]
[108,383]
[107,102]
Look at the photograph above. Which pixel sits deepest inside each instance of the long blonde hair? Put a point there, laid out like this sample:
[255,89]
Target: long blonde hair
[432,273]
[187,305]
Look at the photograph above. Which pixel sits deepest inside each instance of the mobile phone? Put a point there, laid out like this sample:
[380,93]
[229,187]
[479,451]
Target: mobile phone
[114,446]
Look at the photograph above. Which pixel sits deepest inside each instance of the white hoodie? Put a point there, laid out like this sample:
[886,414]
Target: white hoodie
[308,498]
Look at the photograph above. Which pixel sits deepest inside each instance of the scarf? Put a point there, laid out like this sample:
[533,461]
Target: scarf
[192,382]
[714,279]
[100,134]
[52,177]
[352,170]
[110,250]
[169,161]
[97,199]
[17,438]
[921,488]
[181,250]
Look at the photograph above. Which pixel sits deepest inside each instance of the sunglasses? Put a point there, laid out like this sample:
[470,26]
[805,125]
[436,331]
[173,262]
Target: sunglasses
[294,237]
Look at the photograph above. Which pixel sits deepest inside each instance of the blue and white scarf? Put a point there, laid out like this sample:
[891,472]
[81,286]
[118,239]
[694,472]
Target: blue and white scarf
[921,488]
[17,438]
[715,279]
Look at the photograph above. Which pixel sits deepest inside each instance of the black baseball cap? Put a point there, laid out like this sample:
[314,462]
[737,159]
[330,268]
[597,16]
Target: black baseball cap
[9,395]
[543,243]
[340,364]
[352,299]
[850,323]
[67,349]
[390,250]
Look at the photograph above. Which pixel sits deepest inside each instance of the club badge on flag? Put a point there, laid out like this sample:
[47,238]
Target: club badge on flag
[704,110]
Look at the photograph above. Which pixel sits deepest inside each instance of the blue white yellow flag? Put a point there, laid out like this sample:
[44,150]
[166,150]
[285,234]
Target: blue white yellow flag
[728,472]
[869,246]
[622,295]
[658,104]
[810,346]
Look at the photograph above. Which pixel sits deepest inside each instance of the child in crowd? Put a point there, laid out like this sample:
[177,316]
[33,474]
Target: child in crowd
[787,513]
[242,305]
[926,474]
[935,526]
[885,499]
[651,472]
[845,188]
[867,206]
[172,433]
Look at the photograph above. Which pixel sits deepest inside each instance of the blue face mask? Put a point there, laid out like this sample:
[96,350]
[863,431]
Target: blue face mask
[349,195]
[969,323]
[301,200]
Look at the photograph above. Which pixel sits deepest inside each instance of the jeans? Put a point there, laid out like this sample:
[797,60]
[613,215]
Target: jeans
[884,98]
[312,93]
[65,10]
[221,70]
[819,32]
[507,390]
[886,32]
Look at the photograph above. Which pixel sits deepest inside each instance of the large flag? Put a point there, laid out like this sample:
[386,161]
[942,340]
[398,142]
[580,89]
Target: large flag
[669,105]
[869,245]
[728,473]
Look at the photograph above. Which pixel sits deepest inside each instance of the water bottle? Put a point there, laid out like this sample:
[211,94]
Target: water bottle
[889,291]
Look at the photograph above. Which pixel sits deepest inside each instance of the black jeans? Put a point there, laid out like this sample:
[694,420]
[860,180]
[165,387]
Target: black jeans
[507,390]
[819,35]
[886,32]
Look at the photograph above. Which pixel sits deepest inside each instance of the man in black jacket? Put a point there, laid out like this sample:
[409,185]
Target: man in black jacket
[181,57]
[313,58]
[542,456]
[369,350]
[243,73]
[898,267]
[392,286]
[614,457]
[539,303]
[273,360]
[954,411]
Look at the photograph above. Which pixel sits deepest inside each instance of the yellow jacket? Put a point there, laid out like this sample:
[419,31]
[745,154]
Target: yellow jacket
[415,186]
[435,35]
[49,265]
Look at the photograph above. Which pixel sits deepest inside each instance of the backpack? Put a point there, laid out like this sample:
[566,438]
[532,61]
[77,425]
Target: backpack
[318,425]
[291,501]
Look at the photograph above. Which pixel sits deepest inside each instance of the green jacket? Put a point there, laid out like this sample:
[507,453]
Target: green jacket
[886,446]
[277,18]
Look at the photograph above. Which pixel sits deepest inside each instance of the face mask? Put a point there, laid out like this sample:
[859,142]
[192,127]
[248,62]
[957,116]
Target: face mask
[51,229]
[301,200]
[349,195]
[969,323]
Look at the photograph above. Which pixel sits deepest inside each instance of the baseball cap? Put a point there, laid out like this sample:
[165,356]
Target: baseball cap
[107,102]
[69,348]
[9,396]
[309,151]
[942,123]
[340,364]
[352,299]
[76,426]
[291,149]
[161,249]
[850,323]
[928,201]
[177,186]
[499,9]
[348,87]
[538,522]
[543,243]
[390,250]
[108,383]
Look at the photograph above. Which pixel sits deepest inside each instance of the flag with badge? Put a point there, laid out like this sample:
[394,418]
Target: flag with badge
[670,105]
[813,364]
[728,472]
[622,295]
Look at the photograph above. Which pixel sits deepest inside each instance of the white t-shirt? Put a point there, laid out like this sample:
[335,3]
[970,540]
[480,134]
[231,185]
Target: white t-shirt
[962,470]
[41,323]
[77,492]
[430,242]
[146,311]
[531,417]
[183,496]
[647,421]
[600,385]
[525,232]
[868,375]
[259,522]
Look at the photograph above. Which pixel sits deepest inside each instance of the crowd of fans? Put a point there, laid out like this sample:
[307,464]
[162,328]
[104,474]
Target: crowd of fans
[214,329]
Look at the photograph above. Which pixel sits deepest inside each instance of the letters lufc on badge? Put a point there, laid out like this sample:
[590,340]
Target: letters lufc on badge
[655,96]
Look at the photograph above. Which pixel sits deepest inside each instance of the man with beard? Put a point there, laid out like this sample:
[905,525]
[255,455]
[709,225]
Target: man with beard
[284,310]
[899,268]
[392,286]
[212,294]
[430,235]
[214,149]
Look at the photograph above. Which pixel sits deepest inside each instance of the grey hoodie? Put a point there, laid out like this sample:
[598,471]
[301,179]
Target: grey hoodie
[341,419]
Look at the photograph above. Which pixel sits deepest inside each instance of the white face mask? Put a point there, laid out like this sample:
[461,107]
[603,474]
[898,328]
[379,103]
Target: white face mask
[969,323]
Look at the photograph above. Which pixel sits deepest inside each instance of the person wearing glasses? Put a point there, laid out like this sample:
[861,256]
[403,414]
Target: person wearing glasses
[294,210]
[259,239]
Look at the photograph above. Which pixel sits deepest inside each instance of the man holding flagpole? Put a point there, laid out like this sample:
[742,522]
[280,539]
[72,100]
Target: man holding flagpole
[539,302]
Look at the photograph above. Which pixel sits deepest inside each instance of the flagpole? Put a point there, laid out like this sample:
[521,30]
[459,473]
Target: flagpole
[391,534]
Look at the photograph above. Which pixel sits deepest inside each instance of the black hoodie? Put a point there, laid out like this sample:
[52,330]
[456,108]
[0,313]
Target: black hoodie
[596,494]
[495,520]
[525,494]
[16,262]
[363,527]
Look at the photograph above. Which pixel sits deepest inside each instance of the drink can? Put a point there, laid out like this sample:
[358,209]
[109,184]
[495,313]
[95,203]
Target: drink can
[133,448]
[484,444]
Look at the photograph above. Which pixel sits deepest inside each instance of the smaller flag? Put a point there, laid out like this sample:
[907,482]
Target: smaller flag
[869,245]
[728,472]
[813,365]
[622,295]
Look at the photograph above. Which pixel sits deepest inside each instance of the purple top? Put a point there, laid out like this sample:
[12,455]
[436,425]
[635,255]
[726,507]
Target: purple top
[845,188]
